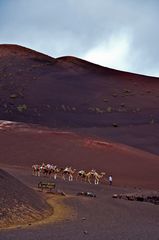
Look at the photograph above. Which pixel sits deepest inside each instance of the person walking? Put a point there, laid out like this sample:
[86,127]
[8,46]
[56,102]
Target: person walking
[110,180]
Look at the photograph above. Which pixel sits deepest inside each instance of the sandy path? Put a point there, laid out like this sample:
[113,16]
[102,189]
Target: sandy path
[93,218]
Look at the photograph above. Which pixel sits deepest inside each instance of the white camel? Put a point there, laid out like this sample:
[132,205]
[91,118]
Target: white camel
[95,176]
[68,171]
[98,177]
[56,171]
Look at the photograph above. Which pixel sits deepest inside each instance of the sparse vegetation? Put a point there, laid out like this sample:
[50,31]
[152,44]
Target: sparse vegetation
[13,96]
[115,125]
[22,108]
[98,110]
[16,95]
[67,108]
[109,109]
[74,109]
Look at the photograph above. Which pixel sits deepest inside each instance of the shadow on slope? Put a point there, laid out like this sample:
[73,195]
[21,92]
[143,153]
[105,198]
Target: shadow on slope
[18,203]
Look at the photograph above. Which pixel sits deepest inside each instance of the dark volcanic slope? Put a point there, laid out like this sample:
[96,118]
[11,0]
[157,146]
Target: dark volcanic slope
[18,203]
[35,87]
[70,92]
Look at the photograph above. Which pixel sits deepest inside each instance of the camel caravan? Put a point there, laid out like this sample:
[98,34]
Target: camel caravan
[67,173]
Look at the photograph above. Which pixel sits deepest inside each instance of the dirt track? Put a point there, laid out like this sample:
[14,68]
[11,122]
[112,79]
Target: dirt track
[93,218]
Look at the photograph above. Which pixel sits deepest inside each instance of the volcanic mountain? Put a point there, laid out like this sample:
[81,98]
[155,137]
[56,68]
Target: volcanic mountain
[68,92]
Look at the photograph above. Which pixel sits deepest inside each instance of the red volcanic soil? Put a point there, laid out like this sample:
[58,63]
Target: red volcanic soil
[18,203]
[24,146]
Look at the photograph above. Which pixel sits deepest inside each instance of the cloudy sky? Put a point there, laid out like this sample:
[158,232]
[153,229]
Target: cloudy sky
[121,34]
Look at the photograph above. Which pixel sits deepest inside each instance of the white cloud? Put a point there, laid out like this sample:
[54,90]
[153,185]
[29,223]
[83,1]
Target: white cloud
[118,34]
[114,53]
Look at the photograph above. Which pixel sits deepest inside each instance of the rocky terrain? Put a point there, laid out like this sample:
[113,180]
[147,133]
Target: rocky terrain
[141,196]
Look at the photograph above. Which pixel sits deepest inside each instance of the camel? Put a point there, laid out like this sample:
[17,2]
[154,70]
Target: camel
[68,171]
[47,169]
[90,175]
[96,176]
[85,175]
[36,170]
[82,175]
[56,172]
